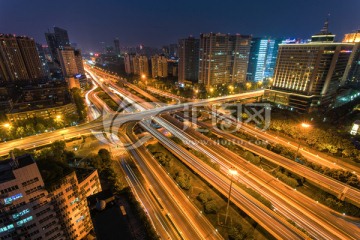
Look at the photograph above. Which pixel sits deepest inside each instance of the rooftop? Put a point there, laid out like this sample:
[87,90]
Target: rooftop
[9,165]
[82,173]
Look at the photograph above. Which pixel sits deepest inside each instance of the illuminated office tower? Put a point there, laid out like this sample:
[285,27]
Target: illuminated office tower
[26,211]
[262,59]
[223,58]
[188,68]
[159,66]
[353,69]
[19,59]
[307,76]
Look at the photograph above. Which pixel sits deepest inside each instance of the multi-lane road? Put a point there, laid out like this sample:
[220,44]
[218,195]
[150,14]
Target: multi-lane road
[313,224]
[316,219]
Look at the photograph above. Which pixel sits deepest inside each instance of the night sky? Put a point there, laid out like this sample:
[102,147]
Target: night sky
[159,22]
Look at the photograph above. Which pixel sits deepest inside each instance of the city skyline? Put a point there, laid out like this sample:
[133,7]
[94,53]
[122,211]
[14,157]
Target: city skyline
[184,20]
[179,120]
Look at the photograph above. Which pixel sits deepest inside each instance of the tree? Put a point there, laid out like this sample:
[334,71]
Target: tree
[58,148]
[105,156]
[183,180]
[211,207]
[20,132]
[204,197]
[79,102]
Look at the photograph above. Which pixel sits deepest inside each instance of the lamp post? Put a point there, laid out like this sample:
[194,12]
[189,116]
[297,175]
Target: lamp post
[305,126]
[232,173]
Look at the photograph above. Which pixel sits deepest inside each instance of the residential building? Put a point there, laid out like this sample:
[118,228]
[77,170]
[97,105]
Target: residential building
[69,197]
[68,62]
[159,66]
[19,59]
[223,58]
[26,211]
[173,66]
[307,76]
[188,68]
[141,65]
[129,63]
[38,204]
[42,101]
[79,61]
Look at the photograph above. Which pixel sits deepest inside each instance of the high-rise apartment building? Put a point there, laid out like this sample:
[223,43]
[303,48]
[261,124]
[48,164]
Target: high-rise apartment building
[26,211]
[32,209]
[223,58]
[68,195]
[141,65]
[129,63]
[19,59]
[62,37]
[159,66]
[79,61]
[188,68]
[262,59]
[31,57]
[307,76]
[71,61]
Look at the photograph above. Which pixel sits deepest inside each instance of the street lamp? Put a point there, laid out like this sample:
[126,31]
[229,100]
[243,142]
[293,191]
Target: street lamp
[248,85]
[304,126]
[232,173]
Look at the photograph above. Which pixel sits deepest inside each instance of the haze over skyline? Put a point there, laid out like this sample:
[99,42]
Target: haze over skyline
[157,23]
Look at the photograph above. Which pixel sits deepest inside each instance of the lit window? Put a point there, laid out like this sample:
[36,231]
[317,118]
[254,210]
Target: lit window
[80,218]
[25,220]
[6,228]
[9,200]
[19,214]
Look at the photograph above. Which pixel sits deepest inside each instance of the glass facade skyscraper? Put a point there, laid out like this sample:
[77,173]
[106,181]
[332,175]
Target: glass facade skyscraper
[262,59]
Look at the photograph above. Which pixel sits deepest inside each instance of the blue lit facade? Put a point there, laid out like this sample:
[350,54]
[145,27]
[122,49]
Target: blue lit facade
[262,60]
